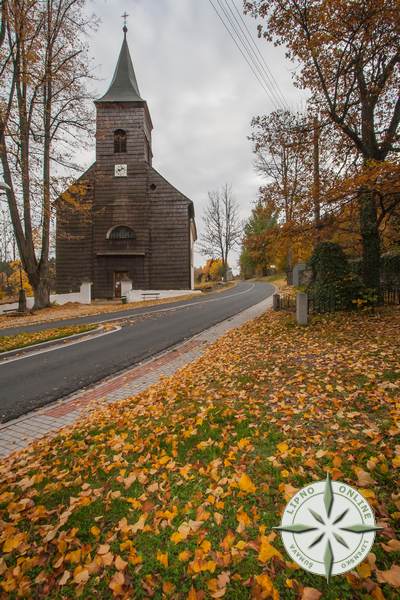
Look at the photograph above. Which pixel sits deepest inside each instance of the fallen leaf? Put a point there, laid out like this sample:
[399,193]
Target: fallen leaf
[246,485]
[311,594]
[391,576]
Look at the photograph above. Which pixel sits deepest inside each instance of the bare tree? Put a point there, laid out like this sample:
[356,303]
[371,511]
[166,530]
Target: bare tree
[223,228]
[43,109]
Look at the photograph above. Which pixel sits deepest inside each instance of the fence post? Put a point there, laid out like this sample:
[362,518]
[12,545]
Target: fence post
[302,308]
[276,302]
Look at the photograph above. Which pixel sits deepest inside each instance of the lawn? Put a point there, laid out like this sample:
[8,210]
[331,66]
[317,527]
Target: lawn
[22,340]
[173,494]
[74,309]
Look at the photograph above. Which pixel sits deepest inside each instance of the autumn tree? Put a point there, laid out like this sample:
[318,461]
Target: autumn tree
[257,251]
[283,158]
[223,228]
[44,115]
[349,57]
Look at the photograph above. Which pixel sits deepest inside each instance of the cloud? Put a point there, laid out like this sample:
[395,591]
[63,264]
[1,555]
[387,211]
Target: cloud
[201,93]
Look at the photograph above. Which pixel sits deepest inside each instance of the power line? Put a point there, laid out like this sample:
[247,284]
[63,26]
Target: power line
[260,81]
[269,73]
[241,36]
[259,68]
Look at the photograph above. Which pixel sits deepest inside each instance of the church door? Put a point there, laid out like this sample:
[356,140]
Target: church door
[119,277]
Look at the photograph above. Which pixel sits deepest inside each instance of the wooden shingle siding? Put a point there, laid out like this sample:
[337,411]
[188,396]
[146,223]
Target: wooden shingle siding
[74,235]
[159,256]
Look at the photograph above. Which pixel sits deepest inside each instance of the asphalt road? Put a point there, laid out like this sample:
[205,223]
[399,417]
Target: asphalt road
[35,380]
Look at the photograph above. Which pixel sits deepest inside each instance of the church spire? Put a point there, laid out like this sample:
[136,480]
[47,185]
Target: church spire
[124,87]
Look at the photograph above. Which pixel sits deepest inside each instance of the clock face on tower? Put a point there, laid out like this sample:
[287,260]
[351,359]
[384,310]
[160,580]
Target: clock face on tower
[121,170]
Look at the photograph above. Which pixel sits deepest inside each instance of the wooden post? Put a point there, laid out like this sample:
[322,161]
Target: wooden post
[276,302]
[316,181]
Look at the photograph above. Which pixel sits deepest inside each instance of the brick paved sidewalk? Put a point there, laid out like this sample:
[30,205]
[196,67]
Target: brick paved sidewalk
[18,433]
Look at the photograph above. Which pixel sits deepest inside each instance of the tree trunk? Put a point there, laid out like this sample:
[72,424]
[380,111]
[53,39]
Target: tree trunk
[41,292]
[371,251]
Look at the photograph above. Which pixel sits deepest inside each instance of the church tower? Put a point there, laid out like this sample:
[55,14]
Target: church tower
[138,230]
[122,212]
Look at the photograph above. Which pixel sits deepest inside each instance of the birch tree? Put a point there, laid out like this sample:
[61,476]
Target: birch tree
[223,228]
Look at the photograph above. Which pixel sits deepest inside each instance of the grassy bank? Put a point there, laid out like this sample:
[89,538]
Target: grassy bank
[22,340]
[74,310]
[173,494]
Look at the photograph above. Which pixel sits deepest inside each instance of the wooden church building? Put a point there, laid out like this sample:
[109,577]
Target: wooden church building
[122,225]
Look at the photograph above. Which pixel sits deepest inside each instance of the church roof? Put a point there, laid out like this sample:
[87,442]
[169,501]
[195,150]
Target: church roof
[124,87]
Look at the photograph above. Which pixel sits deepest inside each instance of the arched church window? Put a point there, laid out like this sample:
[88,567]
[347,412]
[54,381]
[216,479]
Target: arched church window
[119,141]
[121,232]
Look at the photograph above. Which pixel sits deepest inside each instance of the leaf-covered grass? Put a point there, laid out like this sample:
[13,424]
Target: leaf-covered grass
[22,340]
[173,493]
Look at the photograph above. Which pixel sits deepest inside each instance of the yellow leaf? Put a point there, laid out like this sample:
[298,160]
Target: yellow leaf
[13,542]
[184,555]
[282,447]
[162,558]
[265,583]
[205,546]
[95,531]
[74,556]
[364,570]
[246,485]
[176,537]
[267,551]
[396,461]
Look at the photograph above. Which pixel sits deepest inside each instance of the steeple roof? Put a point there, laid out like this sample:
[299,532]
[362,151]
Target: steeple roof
[124,87]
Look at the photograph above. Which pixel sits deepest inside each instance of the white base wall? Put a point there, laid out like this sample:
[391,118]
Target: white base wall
[84,296]
[136,295]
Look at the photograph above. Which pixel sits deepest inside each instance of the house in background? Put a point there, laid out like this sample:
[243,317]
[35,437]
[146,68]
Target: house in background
[122,225]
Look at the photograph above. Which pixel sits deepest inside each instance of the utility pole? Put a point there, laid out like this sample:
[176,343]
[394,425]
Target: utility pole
[316,181]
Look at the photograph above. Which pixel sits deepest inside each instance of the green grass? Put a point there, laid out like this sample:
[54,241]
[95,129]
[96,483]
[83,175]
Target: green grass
[176,453]
[22,340]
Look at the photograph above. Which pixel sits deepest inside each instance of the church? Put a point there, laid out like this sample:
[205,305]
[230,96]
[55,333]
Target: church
[122,225]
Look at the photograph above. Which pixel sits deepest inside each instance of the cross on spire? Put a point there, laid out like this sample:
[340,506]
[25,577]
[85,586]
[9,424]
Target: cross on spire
[125,16]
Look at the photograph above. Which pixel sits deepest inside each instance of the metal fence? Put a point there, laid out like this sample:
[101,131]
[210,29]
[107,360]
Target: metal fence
[323,305]
[287,302]
[390,296]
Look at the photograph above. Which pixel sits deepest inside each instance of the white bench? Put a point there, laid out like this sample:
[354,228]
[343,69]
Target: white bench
[150,295]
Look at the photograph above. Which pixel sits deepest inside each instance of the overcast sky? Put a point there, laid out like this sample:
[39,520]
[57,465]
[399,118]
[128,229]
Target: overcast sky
[200,91]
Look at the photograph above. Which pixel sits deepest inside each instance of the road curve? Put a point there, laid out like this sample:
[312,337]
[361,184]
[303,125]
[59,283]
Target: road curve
[36,380]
